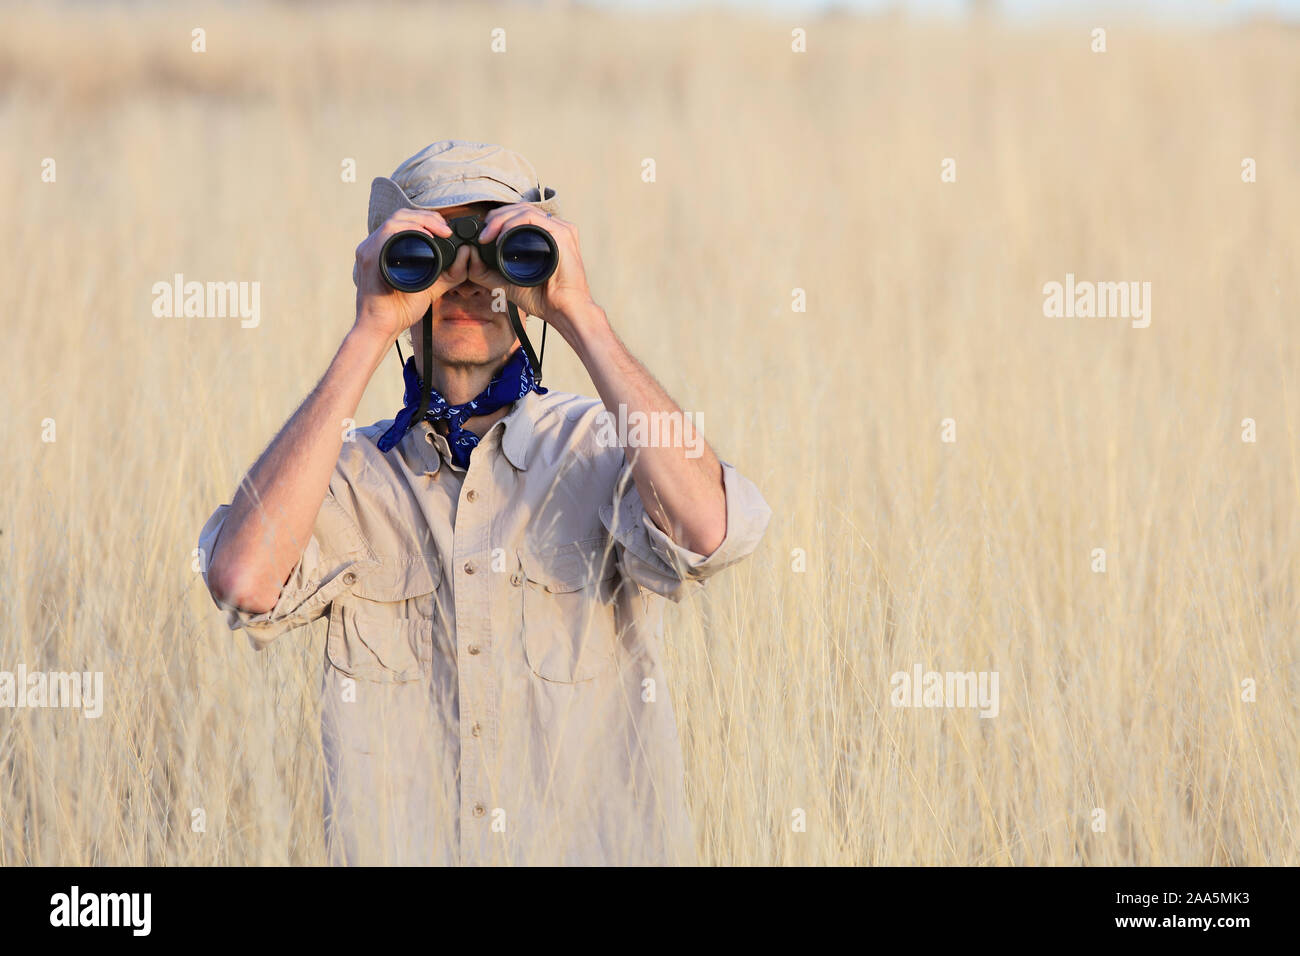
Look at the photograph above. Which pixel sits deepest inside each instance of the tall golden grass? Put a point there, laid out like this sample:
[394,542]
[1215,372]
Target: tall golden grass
[775,171]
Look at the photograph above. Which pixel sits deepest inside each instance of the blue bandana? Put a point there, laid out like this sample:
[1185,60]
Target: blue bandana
[512,383]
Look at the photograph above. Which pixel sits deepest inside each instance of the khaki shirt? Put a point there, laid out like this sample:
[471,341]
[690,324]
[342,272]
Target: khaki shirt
[493,689]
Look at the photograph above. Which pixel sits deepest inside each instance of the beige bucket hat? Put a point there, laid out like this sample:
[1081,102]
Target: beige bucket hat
[453,172]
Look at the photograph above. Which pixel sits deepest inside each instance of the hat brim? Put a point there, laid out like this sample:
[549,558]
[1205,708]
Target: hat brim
[386,198]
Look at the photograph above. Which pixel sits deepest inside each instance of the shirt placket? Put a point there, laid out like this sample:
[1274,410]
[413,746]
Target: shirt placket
[475,654]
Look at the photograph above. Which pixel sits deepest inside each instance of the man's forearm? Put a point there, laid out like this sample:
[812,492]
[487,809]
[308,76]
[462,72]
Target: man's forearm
[273,512]
[683,494]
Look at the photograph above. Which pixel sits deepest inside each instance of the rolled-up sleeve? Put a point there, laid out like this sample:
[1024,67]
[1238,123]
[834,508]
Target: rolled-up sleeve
[653,560]
[334,558]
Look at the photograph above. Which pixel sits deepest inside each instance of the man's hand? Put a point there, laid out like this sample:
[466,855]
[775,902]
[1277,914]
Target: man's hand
[383,310]
[564,298]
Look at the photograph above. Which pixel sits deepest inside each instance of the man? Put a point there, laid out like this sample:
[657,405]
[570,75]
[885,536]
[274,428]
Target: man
[494,573]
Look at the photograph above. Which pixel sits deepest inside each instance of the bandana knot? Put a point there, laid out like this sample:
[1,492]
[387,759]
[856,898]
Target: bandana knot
[512,383]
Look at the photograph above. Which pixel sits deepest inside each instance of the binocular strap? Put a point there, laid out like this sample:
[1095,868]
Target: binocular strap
[527,346]
[426,386]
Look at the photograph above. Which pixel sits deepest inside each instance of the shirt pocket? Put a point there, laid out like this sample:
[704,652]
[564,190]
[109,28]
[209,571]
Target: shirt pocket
[381,630]
[568,616]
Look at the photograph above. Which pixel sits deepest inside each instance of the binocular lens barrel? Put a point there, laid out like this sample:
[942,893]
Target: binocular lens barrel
[409,262]
[527,256]
[412,260]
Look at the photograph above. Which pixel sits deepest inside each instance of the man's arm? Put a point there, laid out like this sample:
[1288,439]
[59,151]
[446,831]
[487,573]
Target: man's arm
[684,495]
[271,517]
[272,514]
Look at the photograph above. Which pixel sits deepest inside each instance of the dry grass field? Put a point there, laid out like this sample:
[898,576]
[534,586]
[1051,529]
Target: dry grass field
[1120,691]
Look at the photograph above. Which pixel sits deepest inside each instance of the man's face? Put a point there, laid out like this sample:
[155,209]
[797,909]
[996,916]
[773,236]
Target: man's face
[465,329]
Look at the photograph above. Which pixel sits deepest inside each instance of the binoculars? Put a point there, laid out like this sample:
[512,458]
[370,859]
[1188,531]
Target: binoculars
[412,260]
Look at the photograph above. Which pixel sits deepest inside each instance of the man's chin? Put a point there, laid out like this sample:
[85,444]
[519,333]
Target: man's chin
[466,349]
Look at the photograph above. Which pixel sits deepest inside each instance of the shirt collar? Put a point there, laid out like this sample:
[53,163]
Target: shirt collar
[518,425]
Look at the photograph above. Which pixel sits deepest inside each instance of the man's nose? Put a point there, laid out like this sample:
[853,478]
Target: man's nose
[468,290]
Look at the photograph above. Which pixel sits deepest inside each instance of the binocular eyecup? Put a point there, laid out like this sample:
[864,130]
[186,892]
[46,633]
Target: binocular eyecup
[412,260]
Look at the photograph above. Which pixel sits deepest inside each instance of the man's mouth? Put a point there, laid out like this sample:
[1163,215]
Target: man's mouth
[459,315]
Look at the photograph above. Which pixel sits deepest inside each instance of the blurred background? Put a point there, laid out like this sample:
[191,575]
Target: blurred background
[782,177]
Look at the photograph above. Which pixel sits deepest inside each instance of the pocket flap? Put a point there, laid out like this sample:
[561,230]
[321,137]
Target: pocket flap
[571,566]
[398,579]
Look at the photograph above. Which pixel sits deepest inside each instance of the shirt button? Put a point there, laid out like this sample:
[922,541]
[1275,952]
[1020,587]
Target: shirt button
[475,730]
[472,495]
[349,579]
[517,579]
[479,810]
[469,567]
[473,648]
